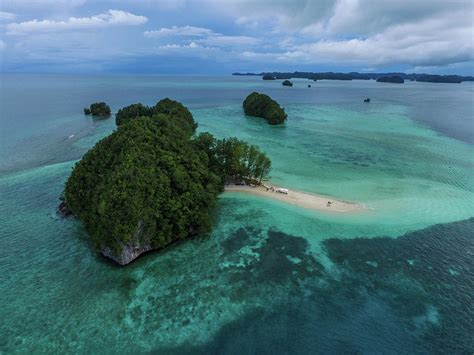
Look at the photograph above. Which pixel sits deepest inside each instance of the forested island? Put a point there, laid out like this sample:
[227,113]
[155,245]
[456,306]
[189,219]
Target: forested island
[261,105]
[98,109]
[391,79]
[268,77]
[154,181]
[362,76]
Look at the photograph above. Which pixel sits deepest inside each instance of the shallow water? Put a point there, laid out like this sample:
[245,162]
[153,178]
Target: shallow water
[270,277]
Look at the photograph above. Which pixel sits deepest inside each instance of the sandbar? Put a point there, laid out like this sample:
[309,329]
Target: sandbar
[299,198]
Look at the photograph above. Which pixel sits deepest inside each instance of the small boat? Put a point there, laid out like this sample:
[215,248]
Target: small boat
[367,100]
[282,191]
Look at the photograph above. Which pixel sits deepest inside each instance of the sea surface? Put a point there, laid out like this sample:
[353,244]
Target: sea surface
[271,278]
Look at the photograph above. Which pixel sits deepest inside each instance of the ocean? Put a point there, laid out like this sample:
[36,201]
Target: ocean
[271,277]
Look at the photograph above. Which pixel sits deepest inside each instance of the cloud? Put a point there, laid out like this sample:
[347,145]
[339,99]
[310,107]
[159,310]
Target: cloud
[202,36]
[221,40]
[6,16]
[250,34]
[2,45]
[175,31]
[107,19]
[427,43]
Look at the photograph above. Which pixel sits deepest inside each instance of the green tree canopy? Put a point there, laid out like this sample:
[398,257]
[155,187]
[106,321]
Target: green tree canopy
[132,111]
[261,105]
[151,182]
[165,106]
[99,109]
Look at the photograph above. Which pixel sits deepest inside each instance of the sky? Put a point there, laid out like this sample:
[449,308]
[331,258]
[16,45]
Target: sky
[225,36]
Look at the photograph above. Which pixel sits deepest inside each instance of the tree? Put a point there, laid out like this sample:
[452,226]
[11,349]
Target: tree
[166,106]
[100,109]
[151,182]
[132,111]
[261,105]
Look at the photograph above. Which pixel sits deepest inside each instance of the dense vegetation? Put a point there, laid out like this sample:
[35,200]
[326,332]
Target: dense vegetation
[364,76]
[151,182]
[165,106]
[456,79]
[132,111]
[391,79]
[261,105]
[233,160]
[287,83]
[98,109]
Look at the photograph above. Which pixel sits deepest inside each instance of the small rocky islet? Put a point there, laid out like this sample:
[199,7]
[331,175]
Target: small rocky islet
[261,105]
[98,109]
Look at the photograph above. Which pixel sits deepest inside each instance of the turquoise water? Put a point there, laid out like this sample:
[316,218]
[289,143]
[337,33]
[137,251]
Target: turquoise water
[270,278]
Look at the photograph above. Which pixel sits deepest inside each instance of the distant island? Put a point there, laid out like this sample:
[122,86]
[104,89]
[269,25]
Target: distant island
[153,181]
[429,78]
[287,83]
[261,105]
[98,109]
[391,79]
[268,77]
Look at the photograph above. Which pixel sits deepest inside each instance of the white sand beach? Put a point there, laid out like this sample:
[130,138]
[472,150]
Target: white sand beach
[301,199]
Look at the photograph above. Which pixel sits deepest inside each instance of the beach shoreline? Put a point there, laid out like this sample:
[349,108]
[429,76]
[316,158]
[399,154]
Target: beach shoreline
[301,199]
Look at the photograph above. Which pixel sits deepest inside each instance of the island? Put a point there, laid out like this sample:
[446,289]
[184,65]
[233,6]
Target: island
[98,109]
[287,83]
[391,79]
[154,181]
[431,78]
[268,77]
[261,105]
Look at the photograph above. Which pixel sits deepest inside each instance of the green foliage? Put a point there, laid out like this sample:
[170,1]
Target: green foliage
[132,111]
[151,175]
[177,111]
[99,109]
[287,83]
[148,172]
[166,106]
[87,111]
[261,105]
[234,160]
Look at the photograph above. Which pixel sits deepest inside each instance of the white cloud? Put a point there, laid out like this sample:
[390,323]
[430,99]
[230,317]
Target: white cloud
[431,42]
[202,36]
[110,18]
[175,31]
[6,16]
[221,40]
[2,45]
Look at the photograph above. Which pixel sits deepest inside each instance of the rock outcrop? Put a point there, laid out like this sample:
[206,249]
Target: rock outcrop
[128,252]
